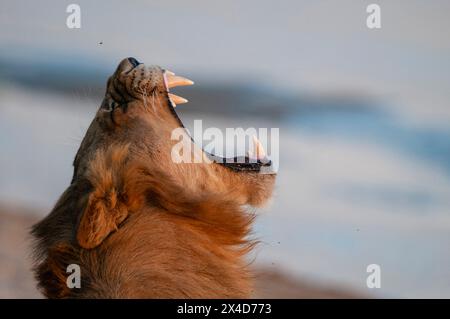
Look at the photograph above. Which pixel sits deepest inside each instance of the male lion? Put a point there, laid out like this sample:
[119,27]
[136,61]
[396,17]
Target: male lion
[139,224]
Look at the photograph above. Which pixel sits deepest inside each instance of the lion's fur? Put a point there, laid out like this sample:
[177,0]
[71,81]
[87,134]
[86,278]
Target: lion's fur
[141,227]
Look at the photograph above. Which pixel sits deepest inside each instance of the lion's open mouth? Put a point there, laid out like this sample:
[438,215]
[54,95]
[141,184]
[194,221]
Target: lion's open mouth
[255,161]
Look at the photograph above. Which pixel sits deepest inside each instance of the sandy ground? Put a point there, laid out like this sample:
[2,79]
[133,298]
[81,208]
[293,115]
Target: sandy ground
[16,279]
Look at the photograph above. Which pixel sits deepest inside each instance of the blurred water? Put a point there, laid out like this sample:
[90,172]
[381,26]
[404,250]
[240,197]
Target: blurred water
[376,126]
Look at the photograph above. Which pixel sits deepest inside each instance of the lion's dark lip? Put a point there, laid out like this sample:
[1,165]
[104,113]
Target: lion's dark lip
[240,163]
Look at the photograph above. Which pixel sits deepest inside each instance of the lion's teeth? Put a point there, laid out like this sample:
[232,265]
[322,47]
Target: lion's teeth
[177,99]
[258,148]
[173,81]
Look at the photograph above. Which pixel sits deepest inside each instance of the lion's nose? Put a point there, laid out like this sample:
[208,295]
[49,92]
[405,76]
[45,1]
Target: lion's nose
[134,62]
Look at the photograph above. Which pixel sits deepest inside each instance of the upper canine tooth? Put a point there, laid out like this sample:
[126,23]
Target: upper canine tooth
[177,99]
[169,72]
[173,81]
[258,148]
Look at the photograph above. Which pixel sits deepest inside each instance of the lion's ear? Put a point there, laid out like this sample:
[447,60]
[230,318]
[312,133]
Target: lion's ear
[101,216]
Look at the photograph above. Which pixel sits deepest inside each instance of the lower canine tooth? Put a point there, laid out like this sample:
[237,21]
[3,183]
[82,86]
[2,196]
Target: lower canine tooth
[258,148]
[177,99]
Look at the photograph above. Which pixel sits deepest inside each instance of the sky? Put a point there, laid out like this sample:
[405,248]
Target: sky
[298,46]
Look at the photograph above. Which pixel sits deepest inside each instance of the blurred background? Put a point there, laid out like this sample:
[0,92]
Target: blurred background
[364,165]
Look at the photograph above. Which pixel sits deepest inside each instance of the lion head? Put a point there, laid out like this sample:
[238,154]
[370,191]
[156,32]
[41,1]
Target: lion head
[125,167]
